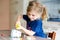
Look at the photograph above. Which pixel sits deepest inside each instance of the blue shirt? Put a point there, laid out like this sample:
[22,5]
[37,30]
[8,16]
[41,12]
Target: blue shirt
[35,26]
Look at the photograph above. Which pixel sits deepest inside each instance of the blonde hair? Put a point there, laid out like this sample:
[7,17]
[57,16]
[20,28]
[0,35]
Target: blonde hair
[34,6]
[44,14]
[37,7]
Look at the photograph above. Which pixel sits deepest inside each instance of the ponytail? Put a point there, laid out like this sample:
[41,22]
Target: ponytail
[44,15]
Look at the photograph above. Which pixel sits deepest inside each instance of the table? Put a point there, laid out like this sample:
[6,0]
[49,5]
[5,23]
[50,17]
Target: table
[34,38]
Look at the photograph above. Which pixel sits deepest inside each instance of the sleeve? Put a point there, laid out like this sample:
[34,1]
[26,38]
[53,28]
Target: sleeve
[39,30]
[25,17]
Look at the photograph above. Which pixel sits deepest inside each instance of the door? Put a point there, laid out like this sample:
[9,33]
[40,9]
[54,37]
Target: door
[4,15]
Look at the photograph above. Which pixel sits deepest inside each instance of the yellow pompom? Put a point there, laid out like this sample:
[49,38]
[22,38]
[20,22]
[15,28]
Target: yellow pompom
[17,26]
[21,39]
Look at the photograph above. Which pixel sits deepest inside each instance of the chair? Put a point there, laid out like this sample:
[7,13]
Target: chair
[52,35]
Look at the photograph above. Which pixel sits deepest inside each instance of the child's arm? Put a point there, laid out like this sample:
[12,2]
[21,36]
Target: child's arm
[18,24]
[19,17]
[28,32]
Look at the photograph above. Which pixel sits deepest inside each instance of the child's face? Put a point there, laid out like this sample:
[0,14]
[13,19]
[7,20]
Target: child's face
[33,15]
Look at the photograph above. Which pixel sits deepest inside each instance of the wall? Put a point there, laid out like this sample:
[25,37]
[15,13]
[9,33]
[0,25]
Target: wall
[15,10]
[17,7]
[52,7]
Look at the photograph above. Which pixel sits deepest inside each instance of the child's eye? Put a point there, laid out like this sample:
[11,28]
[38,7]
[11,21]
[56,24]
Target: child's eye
[33,15]
[28,14]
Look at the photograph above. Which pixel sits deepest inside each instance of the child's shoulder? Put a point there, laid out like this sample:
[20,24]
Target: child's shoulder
[38,21]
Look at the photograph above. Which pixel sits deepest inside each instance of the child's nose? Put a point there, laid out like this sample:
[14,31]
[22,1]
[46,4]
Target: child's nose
[31,16]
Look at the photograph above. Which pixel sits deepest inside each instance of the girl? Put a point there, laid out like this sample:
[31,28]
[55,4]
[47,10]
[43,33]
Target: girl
[35,15]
